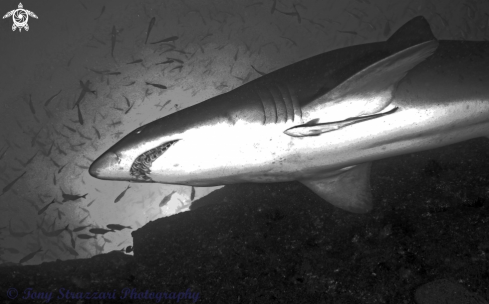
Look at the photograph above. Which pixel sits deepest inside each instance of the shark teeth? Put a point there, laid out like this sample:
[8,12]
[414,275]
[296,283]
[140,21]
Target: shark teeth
[141,166]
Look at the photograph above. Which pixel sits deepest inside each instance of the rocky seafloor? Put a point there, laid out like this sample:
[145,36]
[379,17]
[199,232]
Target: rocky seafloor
[426,241]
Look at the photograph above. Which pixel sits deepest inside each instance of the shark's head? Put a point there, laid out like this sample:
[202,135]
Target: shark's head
[186,147]
[132,158]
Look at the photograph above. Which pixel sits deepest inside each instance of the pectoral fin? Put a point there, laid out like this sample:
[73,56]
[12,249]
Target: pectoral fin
[363,95]
[349,190]
[313,128]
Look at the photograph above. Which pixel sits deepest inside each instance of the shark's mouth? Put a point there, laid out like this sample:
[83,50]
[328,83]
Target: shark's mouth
[141,166]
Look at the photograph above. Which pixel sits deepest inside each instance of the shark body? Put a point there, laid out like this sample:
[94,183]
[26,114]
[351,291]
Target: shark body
[320,121]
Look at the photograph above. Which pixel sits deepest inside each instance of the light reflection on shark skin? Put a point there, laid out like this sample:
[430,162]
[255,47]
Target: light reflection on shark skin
[308,121]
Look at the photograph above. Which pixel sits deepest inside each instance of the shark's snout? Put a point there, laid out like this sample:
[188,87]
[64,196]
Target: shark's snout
[104,166]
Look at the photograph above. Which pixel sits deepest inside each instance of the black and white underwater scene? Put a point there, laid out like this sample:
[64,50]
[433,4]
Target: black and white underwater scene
[244,151]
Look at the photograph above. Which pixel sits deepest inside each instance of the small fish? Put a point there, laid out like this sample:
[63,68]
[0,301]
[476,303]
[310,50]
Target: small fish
[96,131]
[120,196]
[54,179]
[69,61]
[71,197]
[60,151]
[180,67]
[117,227]
[350,33]
[192,193]
[166,103]
[88,158]
[150,27]
[73,146]
[165,62]
[299,19]
[53,233]
[51,98]
[166,199]
[103,10]
[100,230]
[130,84]
[261,73]
[86,236]
[113,37]
[290,40]
[31,105]
[84,136]
[159,86]
[3,154]
[16,234]
[90,203]
[99,72]
[59,170]
[115,123]
[127,111]
[169,39]
[127,101]
[55,163]
[80,228]
[387,29]
[82,167]
[11,250]
[73,245]
[207,35]
[80,117]
[135,61]
[69,128]
[176,59]
[98,40]
[29,256]
[84,209]
[35,137]
[45,207]
[31,159]
[85,89]
[50,148]
[10,185]
[83,219]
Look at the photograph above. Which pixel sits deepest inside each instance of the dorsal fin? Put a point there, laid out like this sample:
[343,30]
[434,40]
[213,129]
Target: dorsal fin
[415,31]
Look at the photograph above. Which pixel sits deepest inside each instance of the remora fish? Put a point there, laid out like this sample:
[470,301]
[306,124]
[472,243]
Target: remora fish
[320,121]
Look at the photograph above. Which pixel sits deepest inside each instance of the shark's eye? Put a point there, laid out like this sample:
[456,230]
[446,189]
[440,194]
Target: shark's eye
[137,131]
[141,166]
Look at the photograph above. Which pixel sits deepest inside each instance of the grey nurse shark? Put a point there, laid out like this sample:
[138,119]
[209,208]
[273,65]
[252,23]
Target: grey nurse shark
[320,121]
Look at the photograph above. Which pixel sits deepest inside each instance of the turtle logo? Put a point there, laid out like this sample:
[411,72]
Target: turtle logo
[20,17]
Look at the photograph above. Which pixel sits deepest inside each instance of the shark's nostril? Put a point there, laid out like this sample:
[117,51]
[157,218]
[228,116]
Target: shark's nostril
[101,167]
